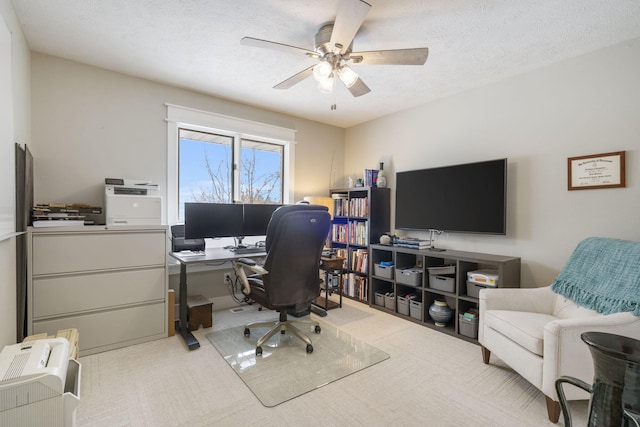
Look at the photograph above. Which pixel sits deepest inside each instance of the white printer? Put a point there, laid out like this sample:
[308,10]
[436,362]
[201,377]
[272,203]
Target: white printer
[132,202]
[39,384]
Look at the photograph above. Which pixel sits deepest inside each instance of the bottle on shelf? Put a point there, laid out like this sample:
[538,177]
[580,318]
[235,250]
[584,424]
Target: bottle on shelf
[382,178]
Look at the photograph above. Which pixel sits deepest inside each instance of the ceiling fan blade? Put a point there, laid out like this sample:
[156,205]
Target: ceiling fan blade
[349,18]
[295,79]
[359,88]
[417,56]
[250,41]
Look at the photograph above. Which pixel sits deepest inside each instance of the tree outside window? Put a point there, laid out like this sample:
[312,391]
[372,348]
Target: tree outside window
[208,171]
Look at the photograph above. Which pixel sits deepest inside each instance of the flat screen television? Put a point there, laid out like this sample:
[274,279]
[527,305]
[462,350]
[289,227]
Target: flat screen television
[465,198]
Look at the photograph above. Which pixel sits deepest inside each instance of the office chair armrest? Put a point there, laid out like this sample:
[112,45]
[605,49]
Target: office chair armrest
[239,267]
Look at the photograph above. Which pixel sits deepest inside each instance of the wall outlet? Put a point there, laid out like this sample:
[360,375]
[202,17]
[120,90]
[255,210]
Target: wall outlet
[227,278]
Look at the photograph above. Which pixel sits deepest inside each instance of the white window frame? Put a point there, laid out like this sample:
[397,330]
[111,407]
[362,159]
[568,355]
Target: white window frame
[199,120]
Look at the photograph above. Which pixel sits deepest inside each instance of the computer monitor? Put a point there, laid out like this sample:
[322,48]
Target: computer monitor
[202,220]
[256,219]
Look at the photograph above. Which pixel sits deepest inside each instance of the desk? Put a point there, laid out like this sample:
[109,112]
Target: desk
[210,255]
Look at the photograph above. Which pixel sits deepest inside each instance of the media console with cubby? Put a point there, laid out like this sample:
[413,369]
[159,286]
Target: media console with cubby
[384,282]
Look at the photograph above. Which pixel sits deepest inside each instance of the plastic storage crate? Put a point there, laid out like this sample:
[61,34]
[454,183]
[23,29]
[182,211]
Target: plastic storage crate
[403,305]
[473,289]
[390,301]
[415,309]
[468,327]
[409,276]
[442,283]
[383,271]
[378,299]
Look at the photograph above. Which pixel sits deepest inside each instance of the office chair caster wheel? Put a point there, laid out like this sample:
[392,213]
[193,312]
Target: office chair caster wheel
[317,329]
[258,351]
[247,332]
[309,348]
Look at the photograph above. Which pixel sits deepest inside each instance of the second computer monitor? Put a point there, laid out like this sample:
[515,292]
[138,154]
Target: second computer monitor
[212,220]
[256,219]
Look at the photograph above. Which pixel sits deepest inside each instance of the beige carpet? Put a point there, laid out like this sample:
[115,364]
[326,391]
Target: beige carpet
[285,370]
[430,379]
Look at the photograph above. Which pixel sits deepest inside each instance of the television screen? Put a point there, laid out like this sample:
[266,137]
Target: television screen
[256,219]
[202,220]
[467,198]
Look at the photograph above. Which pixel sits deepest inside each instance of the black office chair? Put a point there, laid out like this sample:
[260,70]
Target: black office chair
[289,279]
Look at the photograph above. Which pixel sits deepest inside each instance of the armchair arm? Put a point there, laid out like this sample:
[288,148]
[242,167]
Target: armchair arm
[565,354]
[239,267]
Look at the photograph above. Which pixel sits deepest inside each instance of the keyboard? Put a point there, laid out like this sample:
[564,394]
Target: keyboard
[249,250]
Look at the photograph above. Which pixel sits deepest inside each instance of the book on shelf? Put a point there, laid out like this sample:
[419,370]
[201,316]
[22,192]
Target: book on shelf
[410,242]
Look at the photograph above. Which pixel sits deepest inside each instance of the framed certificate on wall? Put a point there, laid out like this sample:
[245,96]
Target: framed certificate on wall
[605,170]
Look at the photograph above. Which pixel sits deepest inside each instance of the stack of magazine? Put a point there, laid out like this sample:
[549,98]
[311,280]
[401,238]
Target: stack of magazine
[58,214]
[413,243]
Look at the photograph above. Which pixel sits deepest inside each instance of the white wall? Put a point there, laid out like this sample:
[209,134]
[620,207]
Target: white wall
[89,124]
[20,74]
[587,105]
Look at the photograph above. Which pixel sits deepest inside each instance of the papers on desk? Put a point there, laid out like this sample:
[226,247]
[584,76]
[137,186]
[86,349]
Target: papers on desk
[190,253]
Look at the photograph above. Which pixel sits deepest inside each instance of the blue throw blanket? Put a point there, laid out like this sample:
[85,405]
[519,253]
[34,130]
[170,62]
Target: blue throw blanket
[603,275]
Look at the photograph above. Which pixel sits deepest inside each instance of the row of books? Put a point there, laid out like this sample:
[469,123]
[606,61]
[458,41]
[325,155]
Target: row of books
[356,286]
[351,207]
[360,260]
[354,232]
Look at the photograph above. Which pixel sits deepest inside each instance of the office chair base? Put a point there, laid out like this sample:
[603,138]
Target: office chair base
[282,326]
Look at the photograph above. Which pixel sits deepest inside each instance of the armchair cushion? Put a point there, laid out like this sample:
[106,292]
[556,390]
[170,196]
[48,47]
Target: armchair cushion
[525,328]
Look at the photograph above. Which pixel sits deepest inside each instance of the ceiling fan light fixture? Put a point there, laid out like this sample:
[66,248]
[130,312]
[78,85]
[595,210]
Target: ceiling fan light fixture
[347,76]
[326,85]
[322,71]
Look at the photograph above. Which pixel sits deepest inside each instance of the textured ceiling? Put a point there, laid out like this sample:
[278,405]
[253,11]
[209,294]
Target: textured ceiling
[196,45]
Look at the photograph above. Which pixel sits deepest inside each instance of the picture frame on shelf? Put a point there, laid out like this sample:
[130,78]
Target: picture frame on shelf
[606,170]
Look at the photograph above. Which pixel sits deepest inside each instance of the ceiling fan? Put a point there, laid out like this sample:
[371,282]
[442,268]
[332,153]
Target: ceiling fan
[332,48]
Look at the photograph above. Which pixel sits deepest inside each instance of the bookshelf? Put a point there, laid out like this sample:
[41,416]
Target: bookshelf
[361,216]
[410,295]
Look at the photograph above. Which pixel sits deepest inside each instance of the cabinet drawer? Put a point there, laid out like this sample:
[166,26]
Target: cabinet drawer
[59,295]
[71,252]
[112,327]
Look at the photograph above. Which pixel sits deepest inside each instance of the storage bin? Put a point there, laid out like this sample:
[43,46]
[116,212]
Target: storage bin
[379,299]
[473,289]
[447,269]
[484,277]
[468,327]
[415,309]
[409,276]
[390,301]
[442,283]
[403,305]
[385,271]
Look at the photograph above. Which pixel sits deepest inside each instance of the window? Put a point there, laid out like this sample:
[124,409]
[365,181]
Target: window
[220,159]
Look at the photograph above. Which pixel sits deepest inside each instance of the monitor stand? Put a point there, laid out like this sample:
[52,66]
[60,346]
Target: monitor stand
[432,235]
[240,245]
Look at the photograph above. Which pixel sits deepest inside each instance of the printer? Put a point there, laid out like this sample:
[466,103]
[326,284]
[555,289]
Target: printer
[132,202]
[39,384]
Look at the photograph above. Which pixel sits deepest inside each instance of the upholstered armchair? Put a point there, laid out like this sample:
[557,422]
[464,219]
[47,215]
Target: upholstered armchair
[536,331]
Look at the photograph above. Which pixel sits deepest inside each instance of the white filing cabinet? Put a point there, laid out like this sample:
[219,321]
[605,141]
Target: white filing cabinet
[109,282]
